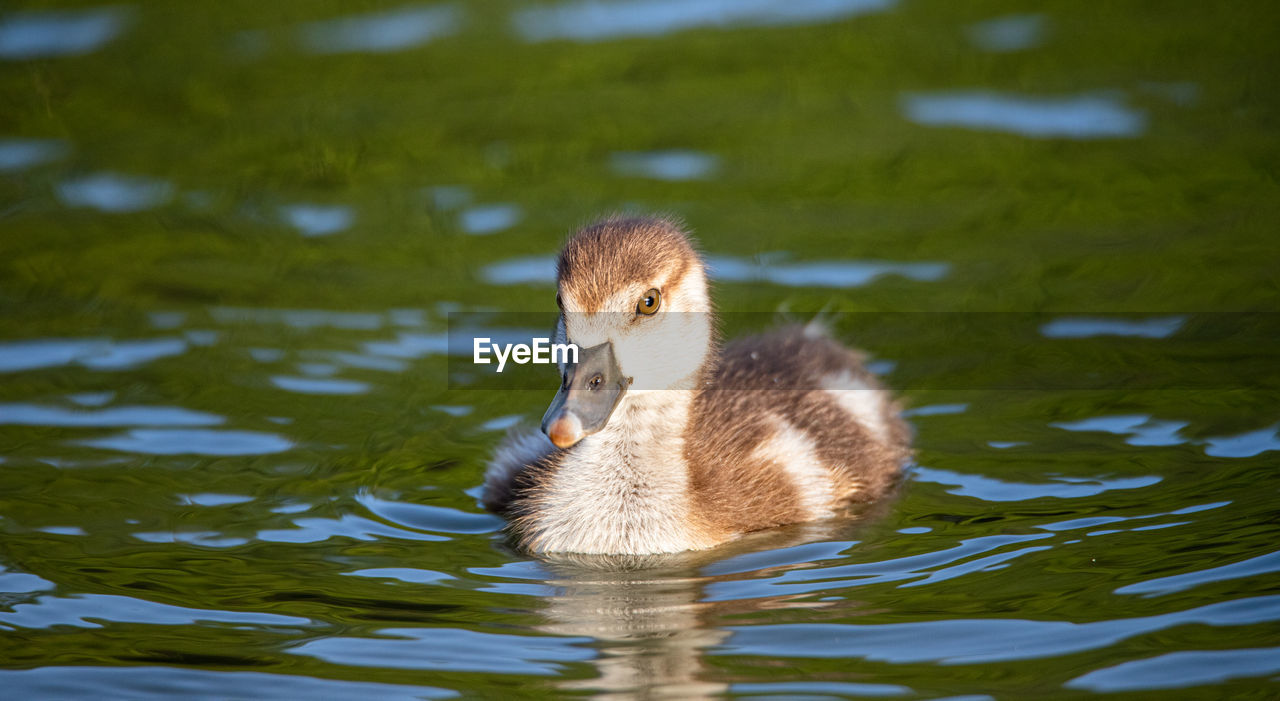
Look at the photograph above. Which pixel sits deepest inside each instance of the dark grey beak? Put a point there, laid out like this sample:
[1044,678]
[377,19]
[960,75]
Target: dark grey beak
[589,392]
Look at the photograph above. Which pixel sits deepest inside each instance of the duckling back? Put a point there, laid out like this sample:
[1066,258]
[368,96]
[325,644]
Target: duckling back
[791,427]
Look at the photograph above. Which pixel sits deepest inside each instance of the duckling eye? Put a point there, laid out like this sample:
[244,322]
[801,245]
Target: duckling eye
[594,383]
[559,303]
[649,303]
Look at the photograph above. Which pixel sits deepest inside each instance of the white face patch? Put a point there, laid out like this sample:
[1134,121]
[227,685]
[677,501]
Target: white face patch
[661,351]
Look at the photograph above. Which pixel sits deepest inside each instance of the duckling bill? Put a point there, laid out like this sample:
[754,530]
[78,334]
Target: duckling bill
[589,391]
[661,440]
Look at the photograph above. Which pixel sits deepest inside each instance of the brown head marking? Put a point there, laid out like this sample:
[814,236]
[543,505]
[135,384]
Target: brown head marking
[617,253]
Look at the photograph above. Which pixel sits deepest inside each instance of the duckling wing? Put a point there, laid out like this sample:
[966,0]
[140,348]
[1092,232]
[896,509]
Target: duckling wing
[791,428]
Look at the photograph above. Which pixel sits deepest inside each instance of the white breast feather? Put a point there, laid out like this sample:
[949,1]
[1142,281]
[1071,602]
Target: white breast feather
[623,490]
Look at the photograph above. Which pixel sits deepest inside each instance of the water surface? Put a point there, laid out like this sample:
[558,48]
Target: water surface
[236,458]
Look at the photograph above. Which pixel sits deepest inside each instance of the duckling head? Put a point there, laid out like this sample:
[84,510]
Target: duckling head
[633,299]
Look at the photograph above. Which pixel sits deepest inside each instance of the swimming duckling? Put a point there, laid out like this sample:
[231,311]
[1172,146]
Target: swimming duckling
[659,440]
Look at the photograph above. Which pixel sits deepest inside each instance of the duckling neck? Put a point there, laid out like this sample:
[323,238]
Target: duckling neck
[642,446]
[626,488]
[645,441]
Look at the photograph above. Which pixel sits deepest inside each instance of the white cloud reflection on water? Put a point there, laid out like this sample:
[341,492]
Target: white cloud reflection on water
[115,193]
[1140,429]
[992,489]
[1244,445]
[26,35]
[98,610]
[674,165]
[304,319]
[979,640]
[529,270]
[174,441]
[490,218]
[1143,430]
[1008,33]
[318,220]
[766,268]
[1090,327]
[22,414]
[838,274]
[314,385]
[1073,117]
[380,32]
[159,682]
[93,353]
[1180,670]
[21,154]
[591,20]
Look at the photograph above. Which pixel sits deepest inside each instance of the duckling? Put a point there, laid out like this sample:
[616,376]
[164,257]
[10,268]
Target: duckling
[659,439]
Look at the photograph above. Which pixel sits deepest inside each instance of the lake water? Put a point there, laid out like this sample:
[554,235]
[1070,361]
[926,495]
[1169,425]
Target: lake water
[237,459]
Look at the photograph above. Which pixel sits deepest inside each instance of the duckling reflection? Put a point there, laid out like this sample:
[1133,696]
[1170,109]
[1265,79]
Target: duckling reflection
[650,617]
[658,440]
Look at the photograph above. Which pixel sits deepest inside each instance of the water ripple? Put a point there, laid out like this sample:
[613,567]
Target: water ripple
[141,682]
[115,193]
[318,220]
[1088,327]
[430,518]
[992,489]
[1080,117]
[213,499]
[1245,445]
[489,219]
[1008,33]
[410,345]
[317,530]
[91,610]
[530,270]
[973,641]
[764,268]
[798,690]
[25,35]
[672,165]
[162,441]
[21,154]
[381,32]
[1178,670]
[936,410]
[1140,429]
[208,539]
[836,274]
[312,385]
[36,415]
[304,319]
[22,582]
[1263,564]
[589,20]
[452,649]
[402,574]
[93,353]
[926,568]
